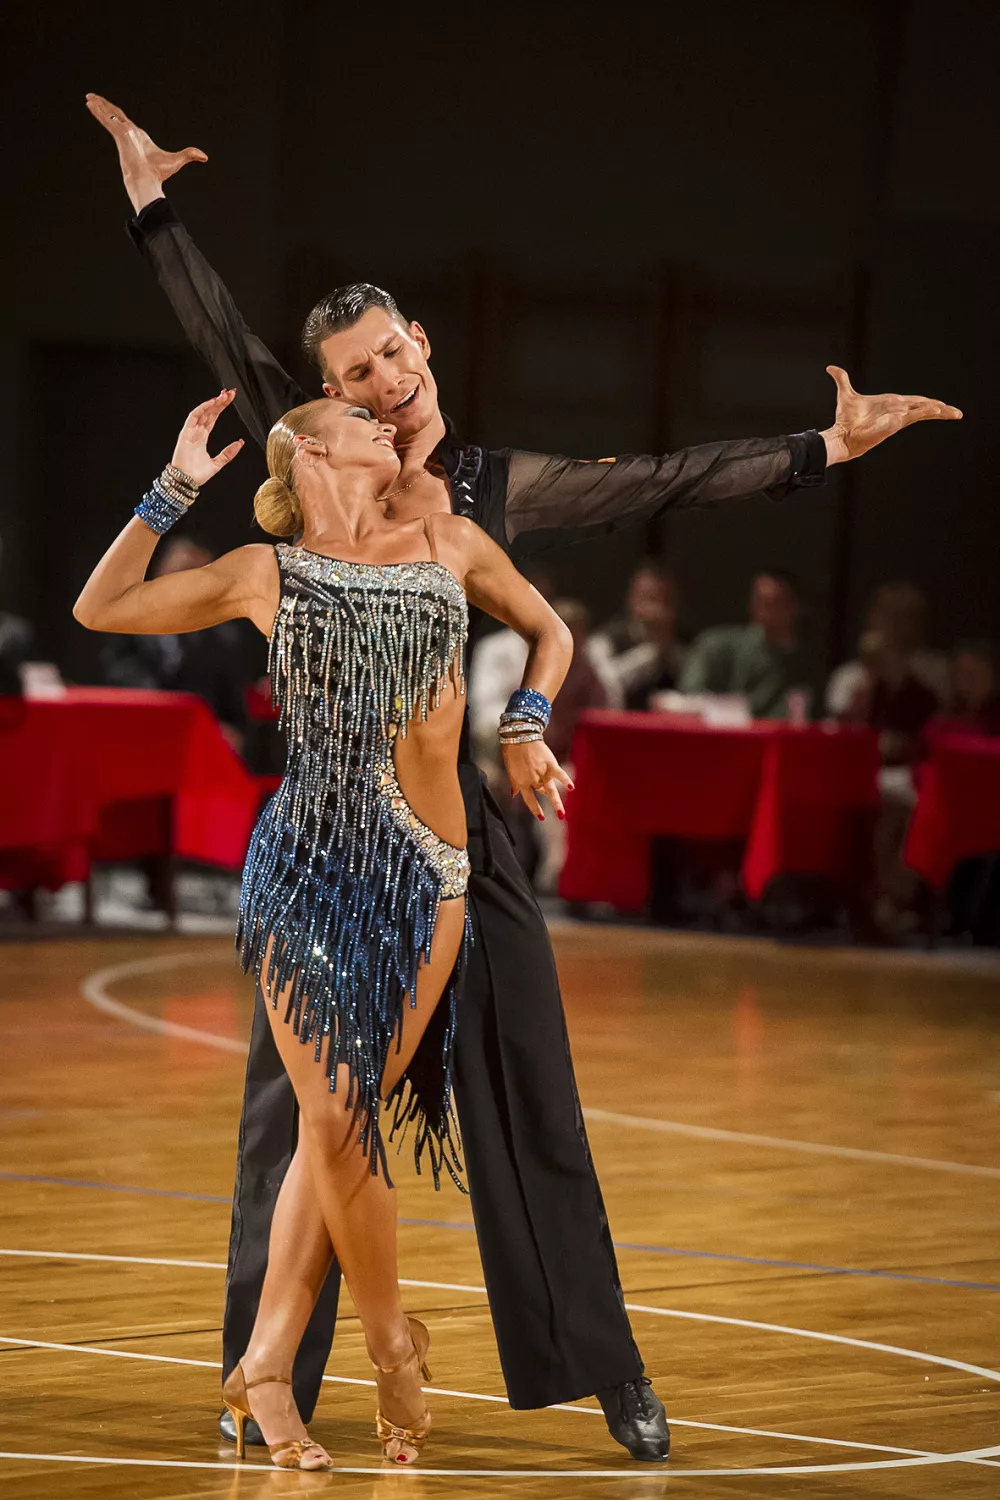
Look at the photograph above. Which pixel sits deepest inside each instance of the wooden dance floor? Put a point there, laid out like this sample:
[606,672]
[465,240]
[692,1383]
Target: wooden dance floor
[800,1153]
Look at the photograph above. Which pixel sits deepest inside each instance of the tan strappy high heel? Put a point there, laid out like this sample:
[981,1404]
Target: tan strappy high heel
[402,1445]
[285,1455]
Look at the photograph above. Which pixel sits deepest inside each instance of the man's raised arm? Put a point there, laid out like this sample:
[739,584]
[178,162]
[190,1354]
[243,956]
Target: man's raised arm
[548,495]
[207,313]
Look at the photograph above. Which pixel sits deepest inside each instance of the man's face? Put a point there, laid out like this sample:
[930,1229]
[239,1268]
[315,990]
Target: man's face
[652,601]
[974,678]
[774,607]
[381,363]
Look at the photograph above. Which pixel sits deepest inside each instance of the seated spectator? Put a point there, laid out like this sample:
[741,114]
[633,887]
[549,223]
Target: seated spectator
[761,661]
[638,653]
[889,696]
[582,689]
[16,637]
[897,613]
[895,687]
[209,662]
[16,641]
[975,700]
[495,671]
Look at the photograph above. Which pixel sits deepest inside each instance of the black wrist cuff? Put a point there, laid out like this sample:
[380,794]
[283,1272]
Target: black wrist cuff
[160,214]
[808,459]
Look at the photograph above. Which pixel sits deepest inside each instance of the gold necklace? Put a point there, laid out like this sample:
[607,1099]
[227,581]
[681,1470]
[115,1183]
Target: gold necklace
[404,487]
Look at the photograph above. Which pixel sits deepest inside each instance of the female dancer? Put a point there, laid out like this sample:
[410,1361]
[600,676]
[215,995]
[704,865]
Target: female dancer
[353,915]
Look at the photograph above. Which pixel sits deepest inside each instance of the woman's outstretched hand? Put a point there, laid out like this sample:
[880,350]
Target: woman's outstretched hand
[862,422]
[533,769]
[145,165]
[191,454]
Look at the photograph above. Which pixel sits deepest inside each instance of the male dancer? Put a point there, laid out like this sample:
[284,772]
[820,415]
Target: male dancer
[549,1265]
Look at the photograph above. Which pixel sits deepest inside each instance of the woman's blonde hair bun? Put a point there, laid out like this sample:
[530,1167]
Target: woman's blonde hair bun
[277,509]
[276,505]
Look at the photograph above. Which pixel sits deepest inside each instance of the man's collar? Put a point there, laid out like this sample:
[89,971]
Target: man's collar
[449,450]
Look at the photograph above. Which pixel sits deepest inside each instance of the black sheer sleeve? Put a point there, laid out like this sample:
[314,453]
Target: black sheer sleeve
[548,496]
[211,320]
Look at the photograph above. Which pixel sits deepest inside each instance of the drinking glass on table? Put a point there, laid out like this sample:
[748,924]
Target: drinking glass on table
[797,701]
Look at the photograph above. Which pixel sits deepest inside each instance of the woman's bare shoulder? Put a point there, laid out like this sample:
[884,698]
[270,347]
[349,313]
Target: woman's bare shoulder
[254,562]
[459,534]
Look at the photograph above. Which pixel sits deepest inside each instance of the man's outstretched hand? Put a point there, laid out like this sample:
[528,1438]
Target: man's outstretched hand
[145,167]
[862,422]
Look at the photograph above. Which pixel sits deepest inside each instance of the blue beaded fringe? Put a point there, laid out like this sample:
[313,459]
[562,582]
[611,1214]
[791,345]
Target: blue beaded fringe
[348,894]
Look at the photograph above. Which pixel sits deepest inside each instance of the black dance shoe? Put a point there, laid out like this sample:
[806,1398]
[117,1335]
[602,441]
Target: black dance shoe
[251,1432]
[636,1419]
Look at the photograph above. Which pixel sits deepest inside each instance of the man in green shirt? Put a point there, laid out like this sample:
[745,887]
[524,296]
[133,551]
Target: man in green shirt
[761,660]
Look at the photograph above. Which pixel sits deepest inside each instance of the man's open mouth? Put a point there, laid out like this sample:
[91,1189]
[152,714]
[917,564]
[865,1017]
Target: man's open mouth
[407,400]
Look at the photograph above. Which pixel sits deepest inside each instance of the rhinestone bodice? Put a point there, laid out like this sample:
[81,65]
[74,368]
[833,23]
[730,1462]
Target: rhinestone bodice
[342,879]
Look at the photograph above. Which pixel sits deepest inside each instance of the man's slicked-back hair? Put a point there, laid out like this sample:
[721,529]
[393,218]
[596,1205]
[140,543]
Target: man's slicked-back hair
[342,309]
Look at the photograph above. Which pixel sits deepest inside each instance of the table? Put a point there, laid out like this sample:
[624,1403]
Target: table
[803,799]
[958,806]
[112,773]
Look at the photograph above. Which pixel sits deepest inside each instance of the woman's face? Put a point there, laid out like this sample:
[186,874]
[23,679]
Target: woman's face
[352,439]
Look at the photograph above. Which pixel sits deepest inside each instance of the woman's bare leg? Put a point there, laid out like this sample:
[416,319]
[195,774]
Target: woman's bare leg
[330,1198]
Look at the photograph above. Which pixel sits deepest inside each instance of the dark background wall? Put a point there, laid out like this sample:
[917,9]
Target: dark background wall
[626,228]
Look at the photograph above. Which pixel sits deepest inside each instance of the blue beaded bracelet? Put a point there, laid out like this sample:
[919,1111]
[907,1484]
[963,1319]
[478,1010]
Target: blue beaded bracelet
[527,703]
[159,510]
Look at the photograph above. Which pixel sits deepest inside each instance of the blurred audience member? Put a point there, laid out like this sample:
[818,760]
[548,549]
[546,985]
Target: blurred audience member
[498,666]
[495,672]
[888,696]
[895,686]
[582,689]
[897,614]
[638,653]
[975,698]
[763,661]
[209,662]
[17,638]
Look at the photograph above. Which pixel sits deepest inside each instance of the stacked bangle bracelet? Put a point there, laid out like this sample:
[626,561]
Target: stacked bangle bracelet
[525,718]
[167,500]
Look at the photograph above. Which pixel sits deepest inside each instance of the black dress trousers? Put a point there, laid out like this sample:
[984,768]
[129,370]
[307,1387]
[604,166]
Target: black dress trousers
[550,1270]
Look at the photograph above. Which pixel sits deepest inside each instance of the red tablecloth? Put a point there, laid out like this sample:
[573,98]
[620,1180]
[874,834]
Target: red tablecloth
[89,775]
[958,807]
[802,798]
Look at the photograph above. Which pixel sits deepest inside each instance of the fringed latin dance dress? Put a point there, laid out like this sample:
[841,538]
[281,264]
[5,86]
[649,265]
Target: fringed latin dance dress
[341,873]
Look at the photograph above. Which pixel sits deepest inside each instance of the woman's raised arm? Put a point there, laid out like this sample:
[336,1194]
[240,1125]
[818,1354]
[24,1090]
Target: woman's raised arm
[118,598]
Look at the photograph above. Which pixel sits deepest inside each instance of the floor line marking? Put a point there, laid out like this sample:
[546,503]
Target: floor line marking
[132,1260]
[632,1307]
[498,1400]
[676,1251]
[111,1187]
[781,1143]
[972,1455]
[93,988]
[829,1338]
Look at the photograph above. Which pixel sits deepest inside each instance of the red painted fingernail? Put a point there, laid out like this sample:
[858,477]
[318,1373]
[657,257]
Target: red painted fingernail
[561,816]
[541,817]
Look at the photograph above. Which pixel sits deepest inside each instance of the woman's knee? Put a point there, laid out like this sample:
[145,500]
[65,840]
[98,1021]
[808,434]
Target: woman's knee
[330,1125]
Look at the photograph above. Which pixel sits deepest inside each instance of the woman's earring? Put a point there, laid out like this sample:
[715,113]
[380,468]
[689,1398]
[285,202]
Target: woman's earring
[302,460]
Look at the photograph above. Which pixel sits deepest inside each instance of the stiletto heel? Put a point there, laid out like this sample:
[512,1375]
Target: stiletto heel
[239,1421]
[285,1455]
[402,1445]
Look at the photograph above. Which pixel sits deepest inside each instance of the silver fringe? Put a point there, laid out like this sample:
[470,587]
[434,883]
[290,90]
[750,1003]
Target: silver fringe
[341,874]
